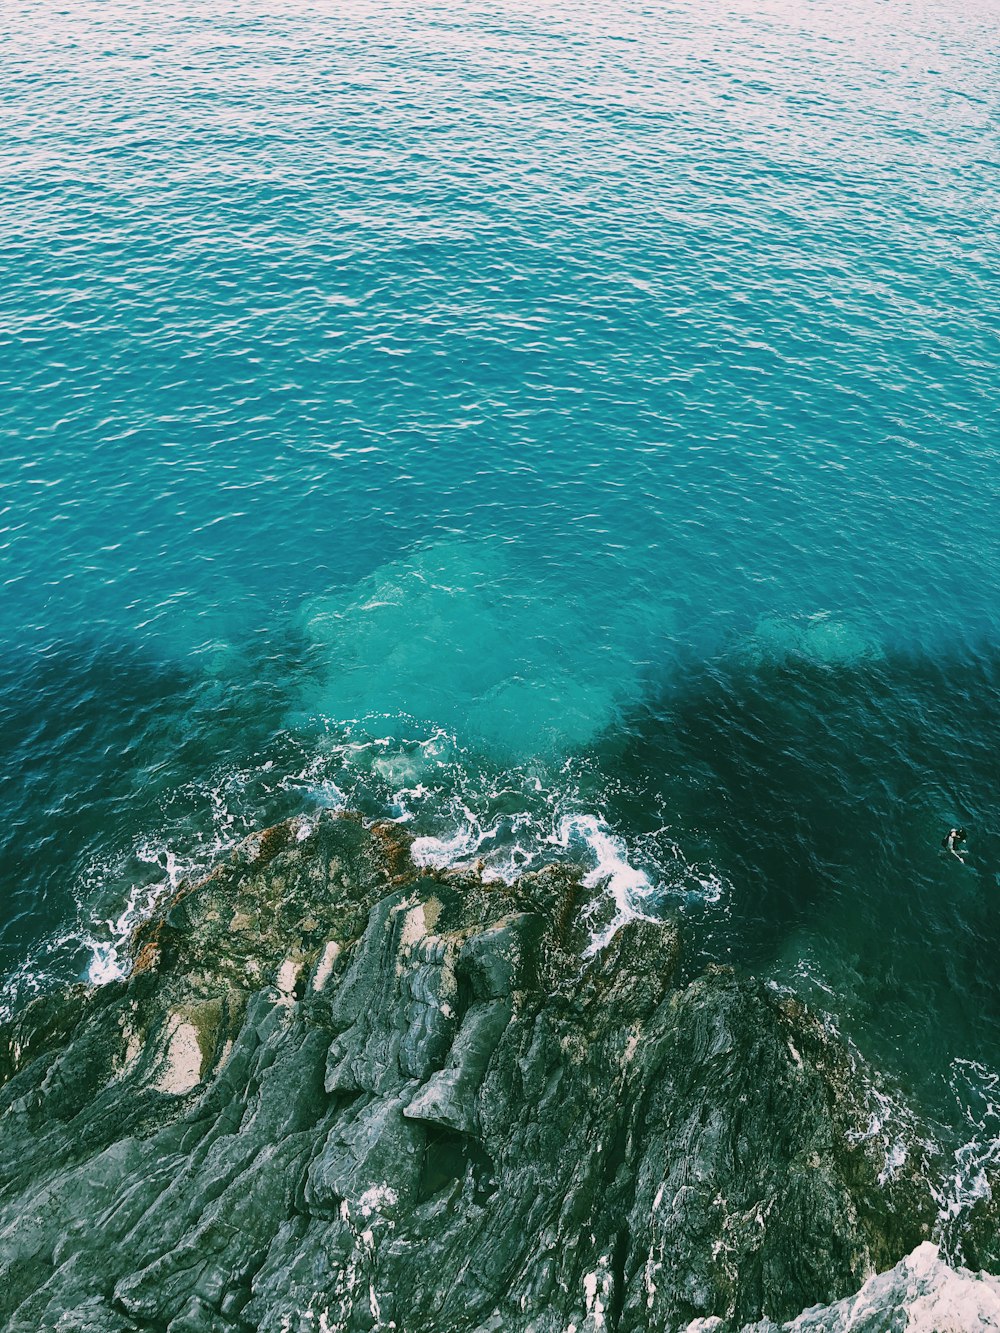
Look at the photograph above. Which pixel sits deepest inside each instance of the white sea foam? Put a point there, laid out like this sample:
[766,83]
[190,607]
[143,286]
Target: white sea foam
[629,887]
[109,959]
[975,1087]
[179,853]
[464,812]
[112,898]
[976,1161]
[582,837]
[453,849]
[888,1123]
[502,822]
[891,1130]
[522,818]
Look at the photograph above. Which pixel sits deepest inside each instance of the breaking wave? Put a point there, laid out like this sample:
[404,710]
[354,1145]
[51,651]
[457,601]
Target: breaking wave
[463,813]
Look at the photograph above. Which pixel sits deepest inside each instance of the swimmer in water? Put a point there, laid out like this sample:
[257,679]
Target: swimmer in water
[951,840]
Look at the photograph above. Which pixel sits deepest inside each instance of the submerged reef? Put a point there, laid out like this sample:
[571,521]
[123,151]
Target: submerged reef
[341,1092]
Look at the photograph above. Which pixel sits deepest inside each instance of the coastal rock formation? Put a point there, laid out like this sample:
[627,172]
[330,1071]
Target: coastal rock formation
[340,1092]
[920,1295]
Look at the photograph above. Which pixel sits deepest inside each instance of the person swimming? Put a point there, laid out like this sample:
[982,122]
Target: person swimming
[950,841]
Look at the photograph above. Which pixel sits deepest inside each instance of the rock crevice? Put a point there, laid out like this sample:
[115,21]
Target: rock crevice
[340,1091]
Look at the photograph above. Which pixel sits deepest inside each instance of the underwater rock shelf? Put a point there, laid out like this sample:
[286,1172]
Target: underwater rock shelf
[341,1092]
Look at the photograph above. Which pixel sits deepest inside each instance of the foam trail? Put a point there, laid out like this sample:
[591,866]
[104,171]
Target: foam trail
[627,885]
[503,823]
[107,962]
[229,801]
[439,852]
[976,1089]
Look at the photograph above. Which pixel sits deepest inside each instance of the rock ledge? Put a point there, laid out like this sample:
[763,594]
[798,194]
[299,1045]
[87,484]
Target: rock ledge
[341,1092]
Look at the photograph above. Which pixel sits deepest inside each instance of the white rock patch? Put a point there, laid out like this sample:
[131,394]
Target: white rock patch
[182,1065]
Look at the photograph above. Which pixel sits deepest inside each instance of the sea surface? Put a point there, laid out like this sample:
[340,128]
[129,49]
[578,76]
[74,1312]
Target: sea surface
[570,430]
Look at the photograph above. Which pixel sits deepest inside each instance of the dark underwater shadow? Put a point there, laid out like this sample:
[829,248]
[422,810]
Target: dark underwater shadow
[94,740]
[821,794]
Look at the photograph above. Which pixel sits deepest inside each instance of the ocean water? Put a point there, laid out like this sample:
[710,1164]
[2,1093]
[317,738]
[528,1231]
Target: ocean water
[572,431]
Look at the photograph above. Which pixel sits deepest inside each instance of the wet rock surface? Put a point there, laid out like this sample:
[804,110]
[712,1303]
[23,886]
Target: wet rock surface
[341,1092]
[921,1294]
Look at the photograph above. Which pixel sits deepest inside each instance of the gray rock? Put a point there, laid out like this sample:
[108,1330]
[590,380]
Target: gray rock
[337,1091]
[921,1294]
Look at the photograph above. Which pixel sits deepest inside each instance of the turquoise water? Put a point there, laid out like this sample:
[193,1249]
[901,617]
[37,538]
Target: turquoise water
[572,431]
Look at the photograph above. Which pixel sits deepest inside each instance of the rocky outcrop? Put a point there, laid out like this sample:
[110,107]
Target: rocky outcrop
[338,1092]
[921,1294]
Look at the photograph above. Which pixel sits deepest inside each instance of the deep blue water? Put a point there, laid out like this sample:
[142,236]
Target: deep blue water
[572,430]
